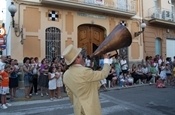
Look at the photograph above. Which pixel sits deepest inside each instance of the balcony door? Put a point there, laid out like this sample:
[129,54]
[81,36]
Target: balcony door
[90,37]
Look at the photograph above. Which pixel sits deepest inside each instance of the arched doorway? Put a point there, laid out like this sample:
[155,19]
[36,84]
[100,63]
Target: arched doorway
[90,37]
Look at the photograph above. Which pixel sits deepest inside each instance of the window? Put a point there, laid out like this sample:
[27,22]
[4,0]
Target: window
[122,4]
[89,1]
[100,2]
[53,42]
[170,47]
[158,48]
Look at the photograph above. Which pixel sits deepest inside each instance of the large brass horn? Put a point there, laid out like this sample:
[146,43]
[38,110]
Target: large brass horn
[119,37]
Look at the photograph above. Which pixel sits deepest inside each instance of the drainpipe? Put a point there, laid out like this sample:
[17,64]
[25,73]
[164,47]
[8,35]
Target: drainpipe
[143,32]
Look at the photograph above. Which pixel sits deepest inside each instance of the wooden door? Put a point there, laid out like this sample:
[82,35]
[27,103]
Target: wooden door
[90,37]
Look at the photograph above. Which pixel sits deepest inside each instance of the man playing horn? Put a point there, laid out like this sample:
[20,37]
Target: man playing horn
[82,83]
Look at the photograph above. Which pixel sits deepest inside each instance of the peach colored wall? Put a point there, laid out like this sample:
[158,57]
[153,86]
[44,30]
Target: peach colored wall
[150,34]
[68,29]
[32,19]
[135,49]
[31,47]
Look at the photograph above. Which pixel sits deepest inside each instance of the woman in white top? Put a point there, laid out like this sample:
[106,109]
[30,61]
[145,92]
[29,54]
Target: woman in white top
[124,65]
[59,82]
[52,82]
[88,61]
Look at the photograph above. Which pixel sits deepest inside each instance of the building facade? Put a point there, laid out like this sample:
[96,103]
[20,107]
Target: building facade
[43,28]
[159,35]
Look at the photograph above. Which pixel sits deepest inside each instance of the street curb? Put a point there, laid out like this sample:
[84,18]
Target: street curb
[38,97]
[132,86]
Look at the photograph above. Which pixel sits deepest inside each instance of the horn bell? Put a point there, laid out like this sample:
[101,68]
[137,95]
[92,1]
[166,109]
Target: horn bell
[119,37]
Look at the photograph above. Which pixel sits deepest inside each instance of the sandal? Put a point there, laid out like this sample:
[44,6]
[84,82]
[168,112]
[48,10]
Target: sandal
[27,97]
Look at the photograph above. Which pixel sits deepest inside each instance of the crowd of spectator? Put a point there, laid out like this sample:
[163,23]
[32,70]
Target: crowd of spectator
[45,76]
[149,70]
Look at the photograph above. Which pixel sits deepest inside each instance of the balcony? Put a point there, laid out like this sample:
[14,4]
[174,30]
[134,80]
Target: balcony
[128,10]
[161,16]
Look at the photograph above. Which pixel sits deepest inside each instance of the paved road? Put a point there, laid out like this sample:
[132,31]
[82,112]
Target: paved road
[146,100]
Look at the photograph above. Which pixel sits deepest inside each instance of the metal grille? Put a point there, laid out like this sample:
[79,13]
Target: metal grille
[53,43]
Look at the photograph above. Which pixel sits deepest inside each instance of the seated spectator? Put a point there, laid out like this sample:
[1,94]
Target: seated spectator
[154,72]
[129,79]
[123,80]
[139,73]
[133,73]
[146,74]
[112,76]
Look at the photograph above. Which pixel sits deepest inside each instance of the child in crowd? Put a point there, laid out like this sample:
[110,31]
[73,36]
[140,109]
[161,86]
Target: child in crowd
[160,83]
[129,79]
[126,79]
[59,81]
[52,82]
[122,79]
[163,75]
[4,86]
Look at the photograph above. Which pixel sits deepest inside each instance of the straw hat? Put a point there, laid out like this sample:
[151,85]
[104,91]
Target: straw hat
[70,53]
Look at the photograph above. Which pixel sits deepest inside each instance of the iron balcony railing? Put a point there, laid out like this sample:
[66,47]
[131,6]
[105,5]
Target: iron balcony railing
[162,14]
[128,7]
[121,6]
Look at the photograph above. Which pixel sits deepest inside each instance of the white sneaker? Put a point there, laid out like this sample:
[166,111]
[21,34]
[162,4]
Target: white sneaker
[8,104]
[4,106]
[41,94]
